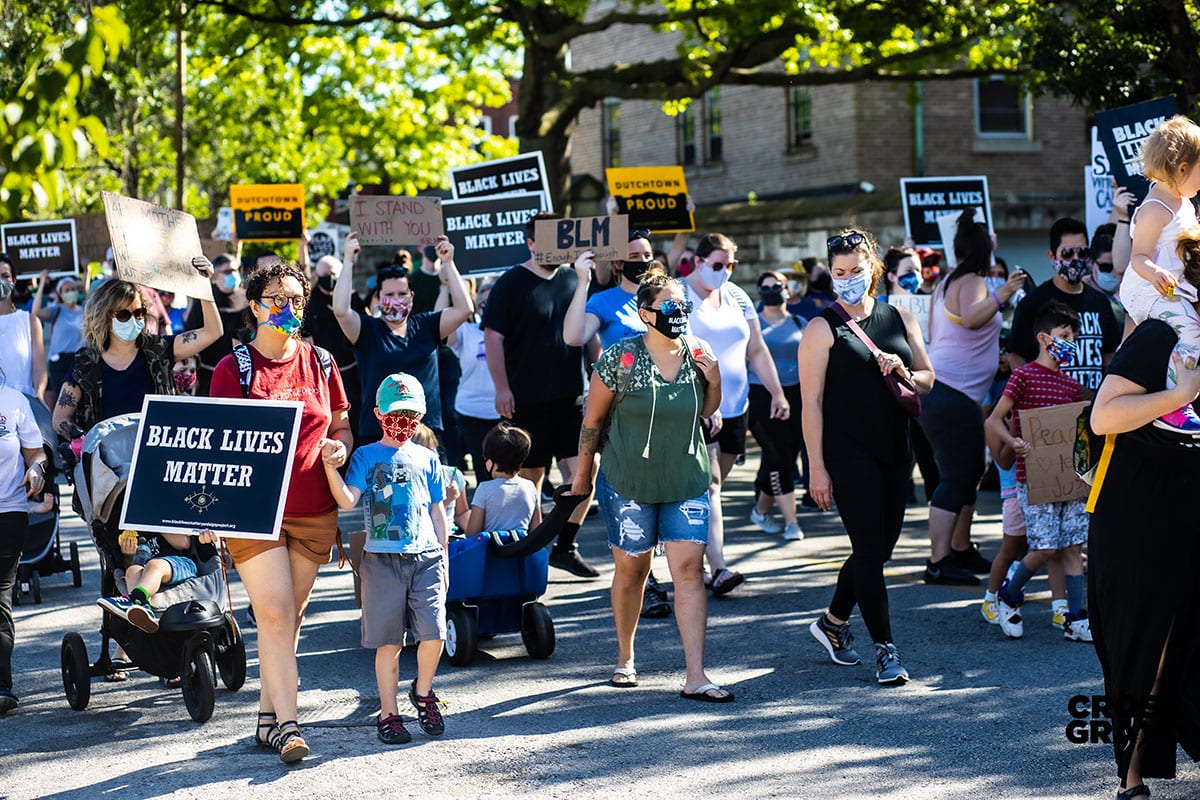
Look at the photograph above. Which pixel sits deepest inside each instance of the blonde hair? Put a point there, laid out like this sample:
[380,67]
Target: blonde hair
[112,295]
[1173,146]
[425,437]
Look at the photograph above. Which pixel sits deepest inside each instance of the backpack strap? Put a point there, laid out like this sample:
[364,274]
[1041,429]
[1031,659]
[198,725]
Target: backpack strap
[625,367]
[245,366]
[326,360]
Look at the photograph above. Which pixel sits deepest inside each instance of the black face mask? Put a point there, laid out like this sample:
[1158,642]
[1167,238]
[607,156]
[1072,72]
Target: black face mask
[634,270]
[672,326]
[325,283]
[771,295]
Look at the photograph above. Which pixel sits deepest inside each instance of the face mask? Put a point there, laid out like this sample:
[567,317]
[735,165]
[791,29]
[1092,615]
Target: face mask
[325,283]
[1072,270]
[712,278]
[129,330]
[634,270]
[1062,350]
[400,427]
[994,283]
[184,381]
[909,282]
[394,309]
[930,273]
[6,289]
[1107,281]
[231,281]
[283,320]
[852,290]
[671,326]
[771,295]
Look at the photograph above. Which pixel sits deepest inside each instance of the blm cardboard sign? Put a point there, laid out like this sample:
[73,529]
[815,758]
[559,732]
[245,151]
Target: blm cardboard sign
[212,464]
[654,198]
[561,241]
[926,199]
[388,220]
[36,246]
[1122,132]
[918,305]
[1050,466]
[523,173]
[267,211]
[154,246]
[488,233]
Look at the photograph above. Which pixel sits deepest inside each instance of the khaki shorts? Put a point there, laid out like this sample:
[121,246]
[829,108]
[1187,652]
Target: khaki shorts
[398,588]
[310,537]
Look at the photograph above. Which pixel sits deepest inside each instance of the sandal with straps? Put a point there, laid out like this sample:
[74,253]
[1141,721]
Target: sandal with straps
[266,732]
[289,742]
[1141,790]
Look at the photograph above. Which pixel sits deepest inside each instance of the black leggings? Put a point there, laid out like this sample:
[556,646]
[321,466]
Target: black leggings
[870,498]
[781,440]
[953,423]
[12,539]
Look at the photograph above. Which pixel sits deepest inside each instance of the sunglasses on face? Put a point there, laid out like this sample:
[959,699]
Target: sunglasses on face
[840,243]
[395,271]
[1075,252]
[1104,266]
[282,300]
[774,288]
[669,307]
[125,314]
[717,265]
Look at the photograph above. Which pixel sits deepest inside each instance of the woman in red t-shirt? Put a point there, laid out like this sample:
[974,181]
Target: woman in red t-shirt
[279,575]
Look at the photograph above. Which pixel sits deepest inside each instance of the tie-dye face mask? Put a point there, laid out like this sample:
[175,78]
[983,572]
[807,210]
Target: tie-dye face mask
[283,319]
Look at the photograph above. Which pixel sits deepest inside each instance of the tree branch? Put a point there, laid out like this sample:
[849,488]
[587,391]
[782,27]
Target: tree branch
[282,17]
[606,21]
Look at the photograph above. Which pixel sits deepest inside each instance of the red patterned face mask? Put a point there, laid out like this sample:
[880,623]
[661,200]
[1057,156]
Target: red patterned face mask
[400,427]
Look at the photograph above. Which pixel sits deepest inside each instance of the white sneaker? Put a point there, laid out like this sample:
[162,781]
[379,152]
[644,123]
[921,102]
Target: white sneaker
[792,533]
[1010,619]
[990,612]
[1058,617]
[765,522]
[1077,629]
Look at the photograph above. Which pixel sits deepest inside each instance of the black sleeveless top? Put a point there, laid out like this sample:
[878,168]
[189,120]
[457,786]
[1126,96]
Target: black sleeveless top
[860,414]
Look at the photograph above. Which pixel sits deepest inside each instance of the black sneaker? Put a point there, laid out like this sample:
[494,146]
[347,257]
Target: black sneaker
[568,559]
[429,712]
[971,559]
[8,700]
[656,603]
[837,640]
[391,730]
[947,573]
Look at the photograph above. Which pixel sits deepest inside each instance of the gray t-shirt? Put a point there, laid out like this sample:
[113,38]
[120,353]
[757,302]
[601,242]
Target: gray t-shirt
[507,503]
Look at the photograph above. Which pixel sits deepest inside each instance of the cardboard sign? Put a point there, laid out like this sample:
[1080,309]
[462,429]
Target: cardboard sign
[654,198]
[918,305]
[154,246]
[488,233]
[212,464]
[35,246]
[268,211]
[561,241]
[926,199]
[387,220]
[1122,131]
[1050,466]
[1098,189]
[523,173]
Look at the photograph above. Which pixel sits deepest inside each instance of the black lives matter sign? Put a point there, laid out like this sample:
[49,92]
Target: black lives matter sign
[212,464]
[519,174]
[488,233]
[1122,132]
[37,246]
[926,199]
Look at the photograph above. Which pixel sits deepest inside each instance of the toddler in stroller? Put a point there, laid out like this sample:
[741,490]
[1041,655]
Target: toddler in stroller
[158,562]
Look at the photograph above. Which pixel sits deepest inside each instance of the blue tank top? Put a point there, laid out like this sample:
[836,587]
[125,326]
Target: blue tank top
[782,339]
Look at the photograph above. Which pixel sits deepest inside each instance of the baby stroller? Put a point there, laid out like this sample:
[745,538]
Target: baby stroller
[196,624]
[495,580]
[42,554]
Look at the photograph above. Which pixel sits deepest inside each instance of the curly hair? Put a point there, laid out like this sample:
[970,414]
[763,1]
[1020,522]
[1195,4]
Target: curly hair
[112,295]
[261,278]
[1188,247]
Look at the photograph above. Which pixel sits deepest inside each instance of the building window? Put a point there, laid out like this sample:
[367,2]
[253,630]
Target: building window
[687,135]
[800,119]
[712,125]
[612,132]
[1002,109]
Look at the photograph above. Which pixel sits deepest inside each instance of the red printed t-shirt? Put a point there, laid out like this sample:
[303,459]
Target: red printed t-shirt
[1036,386]
[296,378]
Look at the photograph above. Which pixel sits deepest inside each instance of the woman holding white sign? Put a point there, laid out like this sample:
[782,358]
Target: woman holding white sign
[278,574]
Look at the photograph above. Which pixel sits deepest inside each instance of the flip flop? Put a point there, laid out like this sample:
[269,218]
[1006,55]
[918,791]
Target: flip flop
[725,581]
[117,676]
[702,694]
[624,678]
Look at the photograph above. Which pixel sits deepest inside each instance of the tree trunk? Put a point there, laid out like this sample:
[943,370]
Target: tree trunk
[1181,61]
[545,113]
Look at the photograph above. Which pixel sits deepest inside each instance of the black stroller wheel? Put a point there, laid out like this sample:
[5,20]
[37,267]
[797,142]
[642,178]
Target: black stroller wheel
[231,656]
[35,584]
[199,684]
[76,569]
[76,672]
[537,631]
[461,636]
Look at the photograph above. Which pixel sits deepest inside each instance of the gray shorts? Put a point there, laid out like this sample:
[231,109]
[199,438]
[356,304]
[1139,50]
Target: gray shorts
[1053,526]
[398,588]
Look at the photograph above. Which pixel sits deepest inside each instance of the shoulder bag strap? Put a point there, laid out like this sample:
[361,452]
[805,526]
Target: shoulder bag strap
[858,331]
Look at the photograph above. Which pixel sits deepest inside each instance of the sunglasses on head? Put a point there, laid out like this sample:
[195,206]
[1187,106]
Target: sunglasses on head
[1075,252]
[844,243]
[640,233]
[394,271]
[125,314]
[669,307]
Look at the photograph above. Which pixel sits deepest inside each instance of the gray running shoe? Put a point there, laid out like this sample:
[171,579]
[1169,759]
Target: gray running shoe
[837,640]
[888,669]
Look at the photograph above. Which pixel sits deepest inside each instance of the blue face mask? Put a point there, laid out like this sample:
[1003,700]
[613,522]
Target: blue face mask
[231,281]
[909,282]
[128,330]
[852,290]
[1107,281]
[1062,350]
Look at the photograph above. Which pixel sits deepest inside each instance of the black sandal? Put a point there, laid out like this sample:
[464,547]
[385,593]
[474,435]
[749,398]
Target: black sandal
[267,731]
[1141,790]
[289,742]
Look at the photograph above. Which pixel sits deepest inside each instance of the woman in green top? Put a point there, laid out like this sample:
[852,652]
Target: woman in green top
[654,389]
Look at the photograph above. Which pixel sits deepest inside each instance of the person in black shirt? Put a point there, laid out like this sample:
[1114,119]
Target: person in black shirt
[321,328]
[538,377]
[231,304]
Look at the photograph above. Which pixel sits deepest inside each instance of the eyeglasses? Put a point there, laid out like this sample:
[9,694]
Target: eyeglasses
[1075,252]
[281,300]
[124,314]
[774,288]
[669,307]
[718,265]
[394,271]
[1104,266]
[840,243]
[640,233]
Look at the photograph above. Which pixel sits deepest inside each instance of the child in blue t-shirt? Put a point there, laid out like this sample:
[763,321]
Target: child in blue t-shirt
[400,486]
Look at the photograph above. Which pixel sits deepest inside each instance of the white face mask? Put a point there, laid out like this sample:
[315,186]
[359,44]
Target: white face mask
[128,330]
[853,289]
[712,278]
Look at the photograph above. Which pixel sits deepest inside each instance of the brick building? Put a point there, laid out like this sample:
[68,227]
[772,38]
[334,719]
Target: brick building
[779,168]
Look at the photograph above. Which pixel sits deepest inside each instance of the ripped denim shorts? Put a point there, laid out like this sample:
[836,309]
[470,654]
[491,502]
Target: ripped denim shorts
[635,527]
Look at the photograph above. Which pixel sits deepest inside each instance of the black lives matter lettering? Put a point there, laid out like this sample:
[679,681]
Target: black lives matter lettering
[1087,366]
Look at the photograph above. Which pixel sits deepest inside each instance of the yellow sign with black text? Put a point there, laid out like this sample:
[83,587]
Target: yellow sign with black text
[655,198]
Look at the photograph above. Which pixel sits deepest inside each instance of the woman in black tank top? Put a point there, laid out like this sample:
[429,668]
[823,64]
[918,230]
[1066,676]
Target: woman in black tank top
[857,439]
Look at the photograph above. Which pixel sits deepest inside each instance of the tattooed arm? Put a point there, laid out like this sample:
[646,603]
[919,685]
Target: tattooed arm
[190,343]
[64,411]
[599,402]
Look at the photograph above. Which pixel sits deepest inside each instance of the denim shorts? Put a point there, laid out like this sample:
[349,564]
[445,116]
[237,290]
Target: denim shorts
[635,527]
[182,569]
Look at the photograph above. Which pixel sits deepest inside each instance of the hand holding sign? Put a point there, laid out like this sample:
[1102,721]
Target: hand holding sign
[445,250]
[584,264]
[561,241]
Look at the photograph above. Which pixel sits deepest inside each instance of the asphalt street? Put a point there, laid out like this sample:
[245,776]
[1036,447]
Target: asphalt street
[983,717]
